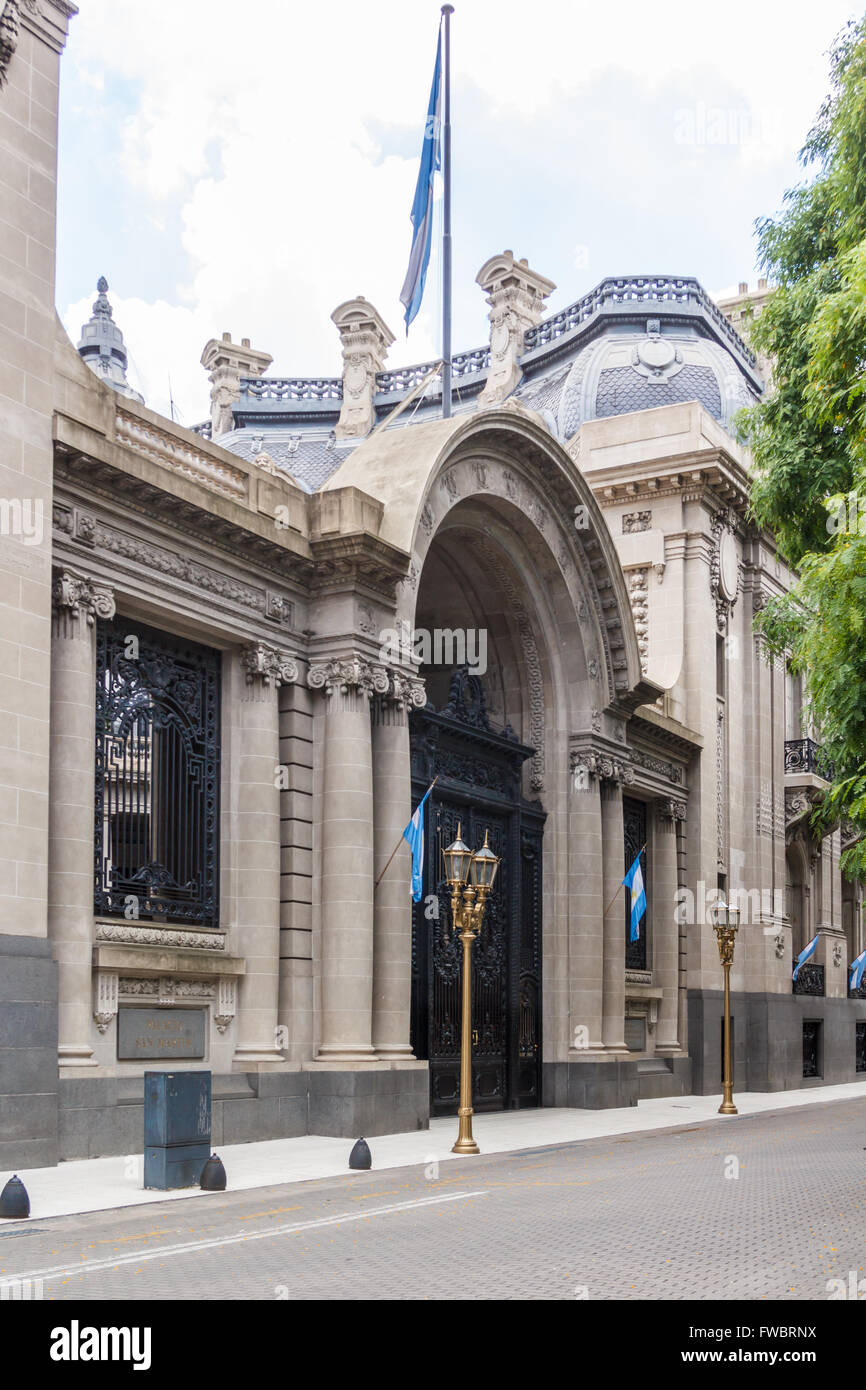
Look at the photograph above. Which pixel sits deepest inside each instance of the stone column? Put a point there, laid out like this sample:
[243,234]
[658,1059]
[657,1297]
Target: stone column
[613,861]
[76,604]
[347,859]
[260,672]
[666,929]
[392,902]
[585,908]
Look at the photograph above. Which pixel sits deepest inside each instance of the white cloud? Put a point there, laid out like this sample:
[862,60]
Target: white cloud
[256,122]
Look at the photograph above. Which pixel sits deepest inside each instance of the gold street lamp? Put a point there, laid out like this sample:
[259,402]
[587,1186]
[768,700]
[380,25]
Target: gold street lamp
[727,921]
[470,878]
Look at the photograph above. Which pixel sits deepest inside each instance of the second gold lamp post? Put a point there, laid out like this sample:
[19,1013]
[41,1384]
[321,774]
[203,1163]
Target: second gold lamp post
[470,878]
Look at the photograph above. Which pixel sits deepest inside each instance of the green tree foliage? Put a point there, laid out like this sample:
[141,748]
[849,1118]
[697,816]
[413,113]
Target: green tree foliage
[808,436]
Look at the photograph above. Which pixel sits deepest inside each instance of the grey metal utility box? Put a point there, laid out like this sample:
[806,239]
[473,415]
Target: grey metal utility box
[177,1123]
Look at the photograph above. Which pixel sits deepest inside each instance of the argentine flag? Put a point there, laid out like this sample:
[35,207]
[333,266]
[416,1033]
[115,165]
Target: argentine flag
[422,206]
[634,883]
[414,837]
[857,968]
[804,956]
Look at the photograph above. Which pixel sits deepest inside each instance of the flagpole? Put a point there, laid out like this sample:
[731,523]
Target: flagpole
[447,11]
[400,841]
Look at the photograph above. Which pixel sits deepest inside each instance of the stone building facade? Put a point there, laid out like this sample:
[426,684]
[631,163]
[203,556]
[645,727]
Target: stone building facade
[236,657]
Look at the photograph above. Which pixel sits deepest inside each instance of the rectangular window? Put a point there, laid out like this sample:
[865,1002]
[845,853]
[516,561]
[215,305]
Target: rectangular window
[635,833]
[860,1047]
[157,776]
[811,1047]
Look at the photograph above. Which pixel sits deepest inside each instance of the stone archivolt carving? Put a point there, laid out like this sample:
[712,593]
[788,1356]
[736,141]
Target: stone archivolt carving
[8,37]
[268,665]
[352,675]
[74,595]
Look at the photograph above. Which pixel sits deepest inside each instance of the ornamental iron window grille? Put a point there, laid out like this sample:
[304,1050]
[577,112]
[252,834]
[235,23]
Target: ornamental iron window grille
[811,1047]
[860,1046]
[810,979]
[805,755]
[157,776]
[635,835]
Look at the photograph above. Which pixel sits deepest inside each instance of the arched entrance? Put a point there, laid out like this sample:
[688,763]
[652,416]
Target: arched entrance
[478,768]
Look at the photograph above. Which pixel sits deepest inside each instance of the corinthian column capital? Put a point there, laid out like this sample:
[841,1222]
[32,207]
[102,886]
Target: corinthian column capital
[264,665]
[349,676]
[74,596]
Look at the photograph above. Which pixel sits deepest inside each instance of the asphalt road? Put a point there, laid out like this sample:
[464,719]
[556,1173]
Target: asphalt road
[770,1206]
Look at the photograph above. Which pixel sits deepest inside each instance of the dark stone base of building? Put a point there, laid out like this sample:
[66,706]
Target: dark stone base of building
[608,1085]
[28,1053]
[105,1115]
[768,1038]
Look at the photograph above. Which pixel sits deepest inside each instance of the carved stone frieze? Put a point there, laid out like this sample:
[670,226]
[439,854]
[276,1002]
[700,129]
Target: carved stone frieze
[129,935]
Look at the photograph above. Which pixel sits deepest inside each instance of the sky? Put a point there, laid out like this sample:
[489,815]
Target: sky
[246,168]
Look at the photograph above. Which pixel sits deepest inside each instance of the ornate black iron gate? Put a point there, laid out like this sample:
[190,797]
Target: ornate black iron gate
[157,775]
[479,787]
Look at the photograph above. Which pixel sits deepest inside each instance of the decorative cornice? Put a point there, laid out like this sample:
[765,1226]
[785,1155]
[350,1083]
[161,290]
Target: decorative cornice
[73,595]
[268,665]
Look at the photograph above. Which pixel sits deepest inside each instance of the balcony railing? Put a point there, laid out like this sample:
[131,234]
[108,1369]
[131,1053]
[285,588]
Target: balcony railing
[804,755]
[810,979]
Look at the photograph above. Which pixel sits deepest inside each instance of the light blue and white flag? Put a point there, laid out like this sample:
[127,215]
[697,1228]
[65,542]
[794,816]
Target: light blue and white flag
[804,955]
[634,883]
[422,206]
[414,837]
[857,968]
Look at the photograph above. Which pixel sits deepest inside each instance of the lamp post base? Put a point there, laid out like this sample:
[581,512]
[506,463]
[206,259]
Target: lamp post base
[727,1107]
[466,1146]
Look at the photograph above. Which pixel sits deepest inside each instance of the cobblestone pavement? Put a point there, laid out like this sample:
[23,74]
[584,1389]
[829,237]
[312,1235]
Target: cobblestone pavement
[771,1206]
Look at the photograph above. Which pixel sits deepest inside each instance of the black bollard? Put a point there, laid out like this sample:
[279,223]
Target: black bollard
[14,1201]
[213,1175]
[360,1157]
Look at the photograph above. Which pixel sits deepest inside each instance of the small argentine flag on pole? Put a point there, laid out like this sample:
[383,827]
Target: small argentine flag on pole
[857,968]
[804,956]
[633,881]
[414,837]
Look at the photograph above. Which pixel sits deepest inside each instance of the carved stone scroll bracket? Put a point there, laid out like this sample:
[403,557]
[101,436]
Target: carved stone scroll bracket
[105,1007]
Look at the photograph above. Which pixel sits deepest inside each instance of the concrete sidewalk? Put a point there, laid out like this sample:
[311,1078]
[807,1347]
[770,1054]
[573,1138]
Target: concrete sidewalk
[96,1184]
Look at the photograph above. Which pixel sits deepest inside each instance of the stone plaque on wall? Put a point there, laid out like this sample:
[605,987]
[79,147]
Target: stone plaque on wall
[160,1034]
[635,1034]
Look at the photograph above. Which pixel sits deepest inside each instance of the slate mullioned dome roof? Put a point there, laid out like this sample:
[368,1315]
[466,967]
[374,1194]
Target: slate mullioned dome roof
[632,343]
